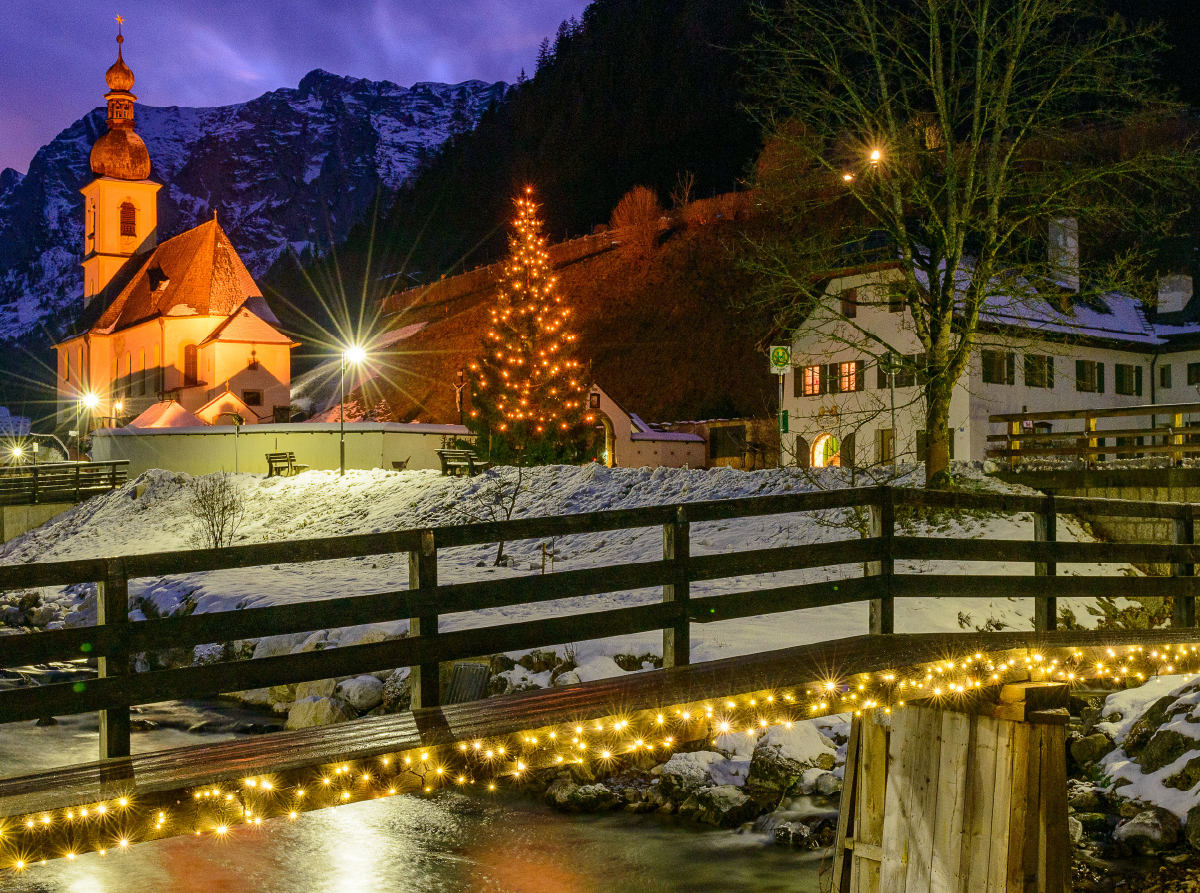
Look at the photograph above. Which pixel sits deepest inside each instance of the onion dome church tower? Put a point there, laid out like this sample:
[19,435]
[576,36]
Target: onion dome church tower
[121,208]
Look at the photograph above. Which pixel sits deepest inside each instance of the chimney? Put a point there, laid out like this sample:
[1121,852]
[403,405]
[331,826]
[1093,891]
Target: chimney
[1064,252]
[1174,292]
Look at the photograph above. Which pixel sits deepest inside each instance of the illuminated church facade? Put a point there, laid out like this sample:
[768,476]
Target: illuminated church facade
[180,321]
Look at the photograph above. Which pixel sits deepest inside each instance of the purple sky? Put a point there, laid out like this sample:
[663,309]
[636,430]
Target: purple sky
[217,52]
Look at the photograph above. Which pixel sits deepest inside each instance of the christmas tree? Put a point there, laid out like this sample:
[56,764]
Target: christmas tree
[529,392]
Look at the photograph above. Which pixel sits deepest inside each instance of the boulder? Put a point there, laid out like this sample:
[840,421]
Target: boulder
[1191,830]
[828,784]
[1085,798]
[275,646]
[1075,829]
[319,688]
[1164,748]
[567,796]
[794,834]
[724,806]
[1150,831]
[1091,748]
[1187,777]
[257,697]
[397,694]
[1147,726]
[362,692]
[313,711]
[1093,822]
[781,758]
[684,773]
[282,694]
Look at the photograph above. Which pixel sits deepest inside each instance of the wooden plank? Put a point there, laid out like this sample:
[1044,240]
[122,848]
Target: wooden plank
[1023,808]
[763,561]
[1125,449]
[873,765]
[1120,412]
[1013,502]
[756,602]
[1183,531]
[847,827]
[1045,530]
[928,548]
[978,806]
[998,825]
[423,676]
[946,868]
[1003,586]
[901,759]
[1054,837]
[922,811]
[112,611]
[882,611]
[1085,435]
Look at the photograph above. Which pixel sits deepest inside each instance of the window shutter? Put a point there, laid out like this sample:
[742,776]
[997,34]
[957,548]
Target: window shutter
[802,458]
[881,379]
[847,450]
[859,368]
[1050,372]
[1137,381]
[1099,378]
[797,381]
[1010,364]
[1081,382]
[822,381]
[831,374]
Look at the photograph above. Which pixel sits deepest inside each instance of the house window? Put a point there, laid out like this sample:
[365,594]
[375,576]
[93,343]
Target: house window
[850,303]
[813,381]
[998,367]
[849,376]
[1193,373]
[1039,371]
[252,398]
[190,366]
[1089,376]
[728,442]
[66,365]
[128,219]
[1129,380]
[141,380]
[895,303]
[1164,376]
[885,445]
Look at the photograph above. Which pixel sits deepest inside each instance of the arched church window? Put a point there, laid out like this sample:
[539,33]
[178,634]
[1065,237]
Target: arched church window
[128,219]
[190,370]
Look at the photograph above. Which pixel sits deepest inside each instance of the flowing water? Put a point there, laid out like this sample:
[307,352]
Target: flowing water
[448,842]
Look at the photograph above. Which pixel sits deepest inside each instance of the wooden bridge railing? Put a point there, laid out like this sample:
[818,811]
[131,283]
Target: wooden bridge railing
[60,481]
[115,638]
[1029,435]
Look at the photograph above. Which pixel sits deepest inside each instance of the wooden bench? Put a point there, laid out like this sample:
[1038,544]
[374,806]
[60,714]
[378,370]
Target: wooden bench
[283,465]
[460,461]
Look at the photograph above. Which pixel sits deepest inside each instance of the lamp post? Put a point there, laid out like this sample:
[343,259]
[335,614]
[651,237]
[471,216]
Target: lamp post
[89,400]
[355,355]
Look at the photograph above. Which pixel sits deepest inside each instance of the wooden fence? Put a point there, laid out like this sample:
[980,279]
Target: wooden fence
[115,638]
[60,481]
[1031,434]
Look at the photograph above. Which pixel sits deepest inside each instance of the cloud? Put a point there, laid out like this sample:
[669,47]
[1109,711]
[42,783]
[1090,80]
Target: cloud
[218,52]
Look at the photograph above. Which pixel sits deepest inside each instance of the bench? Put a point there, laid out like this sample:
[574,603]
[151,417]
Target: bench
[401,466]
[283,465]
[460,461]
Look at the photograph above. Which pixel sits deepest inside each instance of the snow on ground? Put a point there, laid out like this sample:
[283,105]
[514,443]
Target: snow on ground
[321,504]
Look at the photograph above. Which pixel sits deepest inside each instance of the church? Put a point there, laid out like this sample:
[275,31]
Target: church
[173,329]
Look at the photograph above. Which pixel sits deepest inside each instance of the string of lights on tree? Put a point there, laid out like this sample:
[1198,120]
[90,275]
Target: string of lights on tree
[222,810]
[528,383]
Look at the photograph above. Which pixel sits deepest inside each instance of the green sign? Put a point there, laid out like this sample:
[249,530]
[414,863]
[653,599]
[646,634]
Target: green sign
[783,421]
[781,359]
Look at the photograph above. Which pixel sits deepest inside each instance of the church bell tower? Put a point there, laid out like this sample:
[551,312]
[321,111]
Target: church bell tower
[120,205]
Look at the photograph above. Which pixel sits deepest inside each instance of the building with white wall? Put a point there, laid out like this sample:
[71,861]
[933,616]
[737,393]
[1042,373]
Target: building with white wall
[1056,352]
[630,442]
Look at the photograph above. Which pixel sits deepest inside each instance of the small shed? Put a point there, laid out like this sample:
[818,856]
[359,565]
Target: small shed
[630,442]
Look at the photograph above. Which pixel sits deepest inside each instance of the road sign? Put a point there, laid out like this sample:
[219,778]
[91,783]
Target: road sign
[781,359]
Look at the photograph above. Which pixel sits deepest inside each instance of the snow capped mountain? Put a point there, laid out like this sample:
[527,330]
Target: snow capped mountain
[292,167]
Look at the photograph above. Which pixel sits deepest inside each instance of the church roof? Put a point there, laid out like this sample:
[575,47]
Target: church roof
[197,273]
[248,327]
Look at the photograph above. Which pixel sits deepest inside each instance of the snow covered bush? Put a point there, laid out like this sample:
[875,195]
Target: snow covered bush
[217,505]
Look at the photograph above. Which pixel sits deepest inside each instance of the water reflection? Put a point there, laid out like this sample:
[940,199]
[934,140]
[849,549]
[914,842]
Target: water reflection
[447,843]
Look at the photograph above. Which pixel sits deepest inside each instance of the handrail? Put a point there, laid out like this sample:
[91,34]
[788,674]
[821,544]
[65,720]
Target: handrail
[425,600]
[1115,413]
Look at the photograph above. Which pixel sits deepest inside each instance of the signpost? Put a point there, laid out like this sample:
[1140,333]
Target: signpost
[781,364]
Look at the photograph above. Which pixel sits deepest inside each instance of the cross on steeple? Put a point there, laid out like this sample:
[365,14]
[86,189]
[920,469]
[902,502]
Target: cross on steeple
[120,22]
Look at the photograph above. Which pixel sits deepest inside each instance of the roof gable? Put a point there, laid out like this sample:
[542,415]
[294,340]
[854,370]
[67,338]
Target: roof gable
[245,326]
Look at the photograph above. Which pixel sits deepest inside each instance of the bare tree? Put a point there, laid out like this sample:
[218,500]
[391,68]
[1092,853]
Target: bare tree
[942,136]
[218,506]
[637,216]
[495,497]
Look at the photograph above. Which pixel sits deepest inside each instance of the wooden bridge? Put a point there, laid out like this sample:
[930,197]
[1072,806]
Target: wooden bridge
[213,788]
[60,481]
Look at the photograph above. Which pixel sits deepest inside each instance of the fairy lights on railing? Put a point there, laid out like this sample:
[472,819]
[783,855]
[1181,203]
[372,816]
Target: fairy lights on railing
[223,809]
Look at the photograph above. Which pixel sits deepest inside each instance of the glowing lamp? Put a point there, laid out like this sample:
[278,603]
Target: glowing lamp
[875,156]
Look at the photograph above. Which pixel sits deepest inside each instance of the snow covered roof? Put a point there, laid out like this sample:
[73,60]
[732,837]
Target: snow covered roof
[301,427]
[247,327]
[167,414]
[643,431]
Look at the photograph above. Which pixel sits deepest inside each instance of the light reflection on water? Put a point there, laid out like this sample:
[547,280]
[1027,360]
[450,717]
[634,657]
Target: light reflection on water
[444,844]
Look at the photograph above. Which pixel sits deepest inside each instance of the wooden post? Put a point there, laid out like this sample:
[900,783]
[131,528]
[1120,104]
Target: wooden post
[1184,611]
[422,574]
[112,609]
[1089,426]
[1045,530]
[677,638]
[1014,429]
[882,524]
[1177,438]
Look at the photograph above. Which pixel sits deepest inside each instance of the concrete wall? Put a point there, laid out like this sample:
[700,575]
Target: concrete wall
[205,450]
[18,519]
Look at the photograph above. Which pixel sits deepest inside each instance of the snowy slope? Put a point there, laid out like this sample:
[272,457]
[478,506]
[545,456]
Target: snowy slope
[317,504]
[294,167]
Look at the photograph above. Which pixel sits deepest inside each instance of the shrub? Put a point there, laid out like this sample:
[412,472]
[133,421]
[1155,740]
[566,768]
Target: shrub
[218,506]
[636,218]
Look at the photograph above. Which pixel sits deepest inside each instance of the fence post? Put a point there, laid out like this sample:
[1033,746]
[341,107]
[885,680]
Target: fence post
[1014,429]
[882,523]
[112,609]
[35,485]
[1045,530]
[677,641]
[1184,612]
[422,574]
[77,483]
[1089,427]
[1177,440]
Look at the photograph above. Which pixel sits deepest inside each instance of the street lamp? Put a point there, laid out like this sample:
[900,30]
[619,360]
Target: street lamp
[88,400]
[354,355]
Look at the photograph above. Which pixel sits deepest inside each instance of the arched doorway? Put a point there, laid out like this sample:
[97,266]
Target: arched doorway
[607,456]
[826,452]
